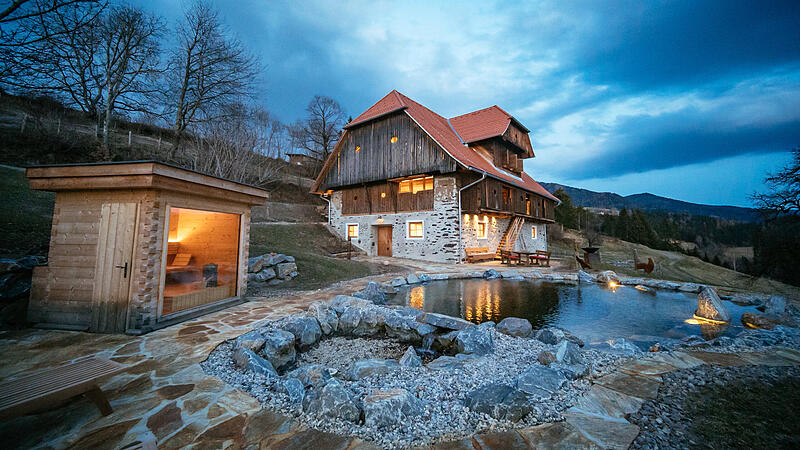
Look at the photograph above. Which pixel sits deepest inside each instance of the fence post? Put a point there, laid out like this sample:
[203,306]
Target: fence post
[129,138]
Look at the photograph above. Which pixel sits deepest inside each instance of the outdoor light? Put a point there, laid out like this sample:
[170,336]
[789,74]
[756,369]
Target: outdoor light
[613,285]
[394,139]
[383,194]
[358,148]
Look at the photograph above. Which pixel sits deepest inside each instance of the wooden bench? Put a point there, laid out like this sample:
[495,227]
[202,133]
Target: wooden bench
[508,257]
[478,254]
[33,391]
[541,257]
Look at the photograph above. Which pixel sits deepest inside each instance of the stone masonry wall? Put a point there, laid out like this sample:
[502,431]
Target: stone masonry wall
[495,229]
[440,241]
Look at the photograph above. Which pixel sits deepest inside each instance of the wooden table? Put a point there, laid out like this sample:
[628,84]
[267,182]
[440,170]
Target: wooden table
[525,255]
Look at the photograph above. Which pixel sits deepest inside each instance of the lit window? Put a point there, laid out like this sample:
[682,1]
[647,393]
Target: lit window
[416,185]
[415,230]
[358,148]
[383,194]
[352,231]
[481,229]
[533,232]
[393,139]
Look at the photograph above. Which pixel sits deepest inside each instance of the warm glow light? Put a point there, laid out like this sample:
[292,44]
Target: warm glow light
[358,148]
[174,240]
[394,139]
[613,285]
[706,320]
[693,321]
[466,217]
[641,288]
[416,298]
[383,194]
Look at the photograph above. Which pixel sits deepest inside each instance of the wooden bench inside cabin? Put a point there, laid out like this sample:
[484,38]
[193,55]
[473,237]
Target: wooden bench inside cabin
[475,254]
[34,391]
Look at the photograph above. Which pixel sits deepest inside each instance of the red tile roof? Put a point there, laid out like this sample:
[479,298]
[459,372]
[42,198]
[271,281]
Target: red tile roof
[451,139]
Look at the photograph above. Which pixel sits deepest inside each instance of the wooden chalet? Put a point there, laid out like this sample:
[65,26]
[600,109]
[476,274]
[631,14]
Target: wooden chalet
[404,181]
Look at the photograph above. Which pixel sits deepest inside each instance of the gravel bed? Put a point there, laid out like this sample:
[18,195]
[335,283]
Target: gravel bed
[328,352]
[670,419]
[445,417]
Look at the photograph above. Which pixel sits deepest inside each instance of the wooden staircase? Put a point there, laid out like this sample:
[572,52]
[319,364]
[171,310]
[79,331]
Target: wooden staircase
[510,236]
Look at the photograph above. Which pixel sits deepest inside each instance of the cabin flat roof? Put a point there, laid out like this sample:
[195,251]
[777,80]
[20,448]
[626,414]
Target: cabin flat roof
[148,174]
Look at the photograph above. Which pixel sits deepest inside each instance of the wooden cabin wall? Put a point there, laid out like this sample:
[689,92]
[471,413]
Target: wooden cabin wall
[370,200]
[518,137]
[379,159]
[489,195]
[61,292]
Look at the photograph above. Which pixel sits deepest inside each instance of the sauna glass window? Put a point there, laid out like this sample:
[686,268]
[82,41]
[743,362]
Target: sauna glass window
[415,230]
[202,258]
[352,231]
[482,225]
[416,185]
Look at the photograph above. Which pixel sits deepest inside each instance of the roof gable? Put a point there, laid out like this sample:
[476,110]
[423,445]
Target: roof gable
[445,134]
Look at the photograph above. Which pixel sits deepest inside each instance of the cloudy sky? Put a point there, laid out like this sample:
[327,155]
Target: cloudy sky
[688,99]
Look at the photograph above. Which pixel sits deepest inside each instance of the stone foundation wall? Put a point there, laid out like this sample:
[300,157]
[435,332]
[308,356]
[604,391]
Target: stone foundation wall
[494,233]
[440,241]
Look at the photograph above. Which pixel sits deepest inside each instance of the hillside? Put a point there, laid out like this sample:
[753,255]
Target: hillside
[650,202]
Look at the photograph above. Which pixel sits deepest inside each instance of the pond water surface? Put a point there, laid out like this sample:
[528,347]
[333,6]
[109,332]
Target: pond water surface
[593,312]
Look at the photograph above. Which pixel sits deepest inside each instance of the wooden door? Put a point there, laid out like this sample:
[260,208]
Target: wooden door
[113,267]
[385,241]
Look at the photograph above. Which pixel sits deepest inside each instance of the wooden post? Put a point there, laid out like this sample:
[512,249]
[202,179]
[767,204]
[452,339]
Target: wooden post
[129,138]
[349,245]
[159,144]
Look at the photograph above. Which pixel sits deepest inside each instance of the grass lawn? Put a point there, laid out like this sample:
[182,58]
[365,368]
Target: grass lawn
[309,243]
[25,215]
[617,255]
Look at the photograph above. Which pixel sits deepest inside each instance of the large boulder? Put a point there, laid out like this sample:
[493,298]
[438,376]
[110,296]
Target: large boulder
[371,367]
[341,302]
[314,375]
[372,293]
[443,321]
[514,326]
[278,347]
[572,371]
[775,305]
[546,357]
[759,321]
[444,343]
[475,341]
[387,408]
[491,274]
[585,277]
[607,276]
[709,306]
[450,362]
[252,341]
[500,401]
[554,336]
[332,400]
[412,279]
[410,358]
[399,281]
[326,317]
[247,360]
[255,264]
[568,353]
[295,389]
[286,270]
[371,322]
[540,381]
[306,331]
[264,275]
[350,319]
[624,347]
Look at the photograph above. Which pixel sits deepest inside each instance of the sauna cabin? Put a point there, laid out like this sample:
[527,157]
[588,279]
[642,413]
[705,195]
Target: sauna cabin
[137,246]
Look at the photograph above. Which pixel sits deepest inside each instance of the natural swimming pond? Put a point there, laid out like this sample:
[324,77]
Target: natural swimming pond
[593,312]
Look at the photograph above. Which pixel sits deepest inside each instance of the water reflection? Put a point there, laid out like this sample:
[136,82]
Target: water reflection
[594,313]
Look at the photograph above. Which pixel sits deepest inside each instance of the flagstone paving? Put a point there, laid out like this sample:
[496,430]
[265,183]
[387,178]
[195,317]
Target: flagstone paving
[165,396]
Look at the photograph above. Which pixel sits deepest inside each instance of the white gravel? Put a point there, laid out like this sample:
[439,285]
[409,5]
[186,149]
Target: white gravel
[443,391]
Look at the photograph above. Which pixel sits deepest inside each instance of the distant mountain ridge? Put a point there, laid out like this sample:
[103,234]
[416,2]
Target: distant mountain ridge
[650,202]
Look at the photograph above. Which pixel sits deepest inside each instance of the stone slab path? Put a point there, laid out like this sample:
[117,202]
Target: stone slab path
[164,396]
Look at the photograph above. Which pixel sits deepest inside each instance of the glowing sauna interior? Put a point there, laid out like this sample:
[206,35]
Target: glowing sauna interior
[202,256]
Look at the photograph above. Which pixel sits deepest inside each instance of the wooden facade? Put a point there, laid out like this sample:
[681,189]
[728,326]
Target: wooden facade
[368,154]
[494,196]
[380,198]
[108,248]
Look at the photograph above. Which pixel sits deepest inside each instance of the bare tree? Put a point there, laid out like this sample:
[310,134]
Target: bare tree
[784,195]
[129,60]
[243,146]
[27,28]
[322,126]
[209,70]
